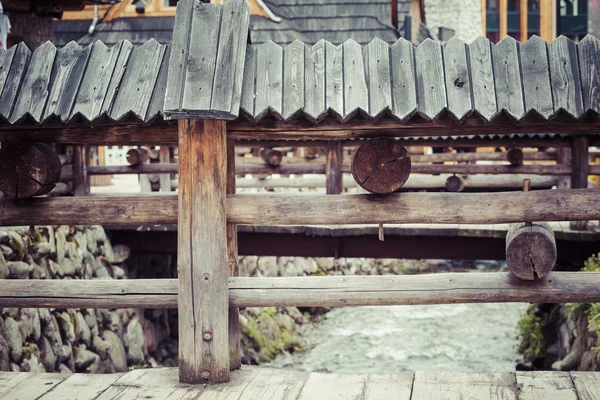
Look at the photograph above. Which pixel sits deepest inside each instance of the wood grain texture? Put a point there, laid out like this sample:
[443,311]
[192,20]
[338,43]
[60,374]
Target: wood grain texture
[315,106]
[431,90]
[356,94]
[530,250]
[115,80]
[458,79]
[540,385]
[535,72]
[589,67]
[293,79]
[564,76]
[404,88]
[333,386]
[6,59]
[14,77]
[269,80]
[377,67]
[235,359]
[81,387]
[496,386]
[156,106]
[587,384]
[248,86]
[29,386]
[334,80]
[268,384]
[396,386]
[482,73]
[333,168]
[507,77]
[81,184]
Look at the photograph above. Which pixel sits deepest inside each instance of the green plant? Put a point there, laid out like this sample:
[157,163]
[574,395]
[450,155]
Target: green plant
[529,334]
[592,264]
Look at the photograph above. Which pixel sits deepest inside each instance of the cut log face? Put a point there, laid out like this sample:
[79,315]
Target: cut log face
[514,156]
[137,156]
[381,166]
[28,169]
[455,184]
[272,157]
[530,250]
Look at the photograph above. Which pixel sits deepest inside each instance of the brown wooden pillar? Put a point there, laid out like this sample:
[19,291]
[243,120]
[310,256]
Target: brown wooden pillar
[165,158]
[81,183]
[202,261]
[580,171]
[333,167]
[502,19]
[564,158]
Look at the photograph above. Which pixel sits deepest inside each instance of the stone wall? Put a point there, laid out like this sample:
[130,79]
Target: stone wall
[464,16]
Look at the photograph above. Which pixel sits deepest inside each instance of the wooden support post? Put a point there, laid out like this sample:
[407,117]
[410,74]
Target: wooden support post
[202,261]
[81,184]
[580,171]
[235,359]
[165,179]
[333,167]
[564,158]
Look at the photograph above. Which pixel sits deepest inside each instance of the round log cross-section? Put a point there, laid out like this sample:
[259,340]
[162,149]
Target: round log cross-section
[272,157]
[455,184]
[530,250]
[381,166]
[514,156]
[28,169]
[137,156]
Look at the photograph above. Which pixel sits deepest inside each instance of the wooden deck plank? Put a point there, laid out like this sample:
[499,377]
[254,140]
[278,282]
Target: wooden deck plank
[464,386]
[157,383]
[394,386]
[26,385]
[543,385]
[334,386]
[81,387]
[275,384]
[587,384]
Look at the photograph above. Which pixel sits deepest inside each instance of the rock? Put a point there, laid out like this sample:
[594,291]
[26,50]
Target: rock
[107,250]
[295,314]
[66,326]
[29,324]
[119,273]
[134,342]
[120,253]
[38,272]
[116,351]
[12,334]
[82,330]
[4,238]
[4,272]
[63,369]
[14,367]
[151,339]
[99,234]
[41,249]
[19,269]
[8,253]
[32,364]
[90,319]
[91,241]
[84,358]
[61,243]
[51,331]
[268,266]
[67,268]
[17,244]
[81,241]
[4,354]
[101,347]
[47,357]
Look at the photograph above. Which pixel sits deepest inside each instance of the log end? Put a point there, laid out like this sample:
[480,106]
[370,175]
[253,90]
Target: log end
[455,184]
[514,156]
[530,250]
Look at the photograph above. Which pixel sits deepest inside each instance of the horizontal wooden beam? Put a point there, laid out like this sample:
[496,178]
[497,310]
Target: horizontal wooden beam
[497,169]
[332,291]
[132,169]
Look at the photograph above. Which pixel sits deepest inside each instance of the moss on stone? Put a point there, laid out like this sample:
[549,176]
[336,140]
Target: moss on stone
[530,334]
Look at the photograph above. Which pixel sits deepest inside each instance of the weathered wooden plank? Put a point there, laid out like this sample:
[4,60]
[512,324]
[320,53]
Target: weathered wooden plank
[248,92]
[235,360]
[404,91]
[458,79]
[456,385]
[396,386]
[121,66]
[81,183]
[587,384]
[139,80]
[29,386]
[156,105]
[32,97]
[96,80]
[315,107]
[333,168]
[333,386]
[277,384]
[334,79]
[356,94]
[507,77]
[589,67]
[431,90]
[564,76]
[269,80]
[159,383]
[6,58]
[69,67]
[536,77]
[240,382]
[179,54]
[482,75]
[377,68]
[81,387]
[541,385]
[293,79]
[229,69]
[14,77]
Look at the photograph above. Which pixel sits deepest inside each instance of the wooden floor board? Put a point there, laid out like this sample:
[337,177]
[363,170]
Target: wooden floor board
[29,385]
[334,387]
[464,386]
[275,384]
[587,385]
[397,386]
[544,385]
[81,387]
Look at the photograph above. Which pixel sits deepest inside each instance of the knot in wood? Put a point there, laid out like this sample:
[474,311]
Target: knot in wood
[205,375]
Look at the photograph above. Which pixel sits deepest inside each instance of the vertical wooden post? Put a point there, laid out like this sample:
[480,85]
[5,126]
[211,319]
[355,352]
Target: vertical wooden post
[483,18]
[235,359]
[333,167]
[145,184]
[81,184]
[202,262]
[546,20]
[165,158]
[580,171]
[502,18]
[523,11]
[564,158]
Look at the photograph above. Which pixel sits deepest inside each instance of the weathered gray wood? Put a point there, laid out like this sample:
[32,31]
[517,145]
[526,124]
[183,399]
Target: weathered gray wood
[530,250]
[120,68]
[293,79]
[96,80]
[469,169]
[229,68]
[156,105]
[269,80]
[139,80]
[235,360]
[431,90]
[32,97]
[589,65]
[315,107]
[456,385]
[159,383]
[458,79]
[29,386]
[179,54]
[81,183]
[377,67]
[536,77]
[81,387]
[67,73]
[541,385]
[404,91]
[248,92]
[587,384]
[334,79]
[165,179]
[333,168]
[507,77]
[356,94]
[564,76]
[6,58]
[333,386]
[482,78]
[14,77]
[394,386]
[275,384]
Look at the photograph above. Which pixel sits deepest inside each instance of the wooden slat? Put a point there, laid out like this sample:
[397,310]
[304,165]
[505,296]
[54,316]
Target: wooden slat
[396,386]
[541,385]
[564,76]
[589,64]
[453,385]
[158,383]
[587,384]
[121,65]
[356,94]
[404,91]
[269,80]
[275,384]
[431,90]
[315,107]
[536,77]
[507,77]
[458,80]
[235,360]
[137,86]
[81,387]
[333,386]
[156,106]
[377,66]
[34,92]
[248,92]
[293,79]
[482,73]
[333,168]
[6,58]
[69,67]
[14,77]
[334,79]
[29,386]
